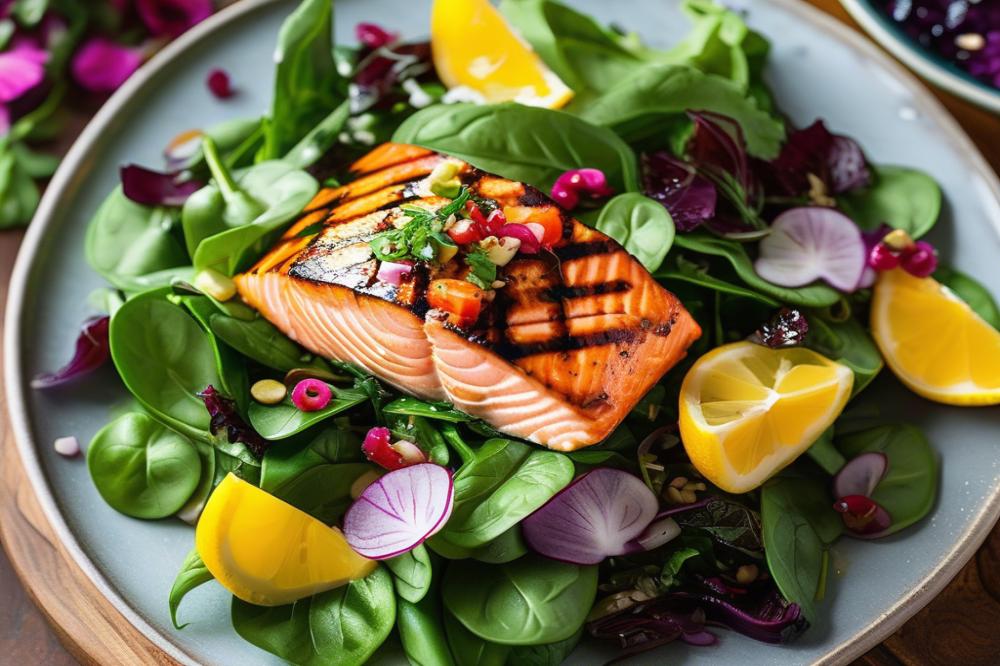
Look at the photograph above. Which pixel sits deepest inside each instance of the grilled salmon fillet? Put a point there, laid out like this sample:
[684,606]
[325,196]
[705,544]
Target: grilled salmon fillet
[562,353]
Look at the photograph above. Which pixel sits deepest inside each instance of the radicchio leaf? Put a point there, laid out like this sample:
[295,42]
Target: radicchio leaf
[835,159]
[688,197]
[92,350]
[155,188]
[225,418]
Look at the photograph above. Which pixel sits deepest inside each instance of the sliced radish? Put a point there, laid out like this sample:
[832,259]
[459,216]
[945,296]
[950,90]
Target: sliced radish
[808,244]
[399,511]
[595,517]
[860,475]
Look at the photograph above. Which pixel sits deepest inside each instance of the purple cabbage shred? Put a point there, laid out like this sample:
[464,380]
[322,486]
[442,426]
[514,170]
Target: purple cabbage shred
[156,188]
[689,197]
[787,328]
[226,418]
[92,351]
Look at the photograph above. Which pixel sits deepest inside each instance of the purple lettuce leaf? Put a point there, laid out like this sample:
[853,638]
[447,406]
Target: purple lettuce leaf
[835,159]
[226,419]
[92,351]
[156,188]
[689,197]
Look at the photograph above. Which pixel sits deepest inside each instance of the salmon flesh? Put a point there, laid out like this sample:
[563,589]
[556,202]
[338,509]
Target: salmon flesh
[562,353]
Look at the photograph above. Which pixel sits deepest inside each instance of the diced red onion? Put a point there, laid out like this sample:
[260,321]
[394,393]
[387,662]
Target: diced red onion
[92,350]
[529,242]
[399,511]
[409,452]
[658,533]
[67,447]
[392,272]
[860,475]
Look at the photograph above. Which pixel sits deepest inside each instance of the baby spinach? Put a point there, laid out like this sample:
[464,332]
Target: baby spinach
[816,295]
[231,368]
[638,104]
[682,269]
[824,453]
[523,143]
[550,654]
[799,525]
[285,419]
[165,359]
[411,573]
[439,411]
[530,601]
[318,141]
[506,482]
[422,633]
[323,491]
[193,574]
[910,485]
[900,197]
[134,246]
[505,548]
[641,225]
[283,463]
[471,650]
[849,343]
[142,468]
[260,340]
[306,82]
[972,292]
[191,510]
[342,626]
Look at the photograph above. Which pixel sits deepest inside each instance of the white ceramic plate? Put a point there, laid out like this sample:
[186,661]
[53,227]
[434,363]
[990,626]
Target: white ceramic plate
[820,68]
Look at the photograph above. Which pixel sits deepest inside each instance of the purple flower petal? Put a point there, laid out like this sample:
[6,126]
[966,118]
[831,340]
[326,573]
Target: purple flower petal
[153,188]
[170,18]
[101,65]
[92,350]
[21,69]
[689,197]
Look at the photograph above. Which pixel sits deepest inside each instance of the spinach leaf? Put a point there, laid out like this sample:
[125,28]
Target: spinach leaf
[260,340]
[900,197]
[231,368]
[142,468]
[235,459]
[411,573]
[318,141]
[285,419]
[165,359]
[729,523]
[505,548]
[192,509]
[641,225]
[281,192]
[440,411]
[972,292]
[799,526]
[682,269]
[637,106]
[306,82]
[471,650]
[523,143]
[816,295]
[193,573]
[550,654]
[910,485]
[422,632]
[323,491]
[235,140]
[507,481]
[849,343]
[530,601]
[342,626]
[282,464]
[825,454]
[134,246]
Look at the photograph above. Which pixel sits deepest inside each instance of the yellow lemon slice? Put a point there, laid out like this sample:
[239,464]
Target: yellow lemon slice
[934,342]
[474,49]
[268,552]
[746,411]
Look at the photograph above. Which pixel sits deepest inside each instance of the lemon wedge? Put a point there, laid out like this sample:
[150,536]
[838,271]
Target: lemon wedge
[269,553]
[934,342]
[475,50]
[747,411]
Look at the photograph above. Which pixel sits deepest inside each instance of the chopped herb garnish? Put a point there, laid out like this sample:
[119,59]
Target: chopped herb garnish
[422,238]
[331,182]
[484,271]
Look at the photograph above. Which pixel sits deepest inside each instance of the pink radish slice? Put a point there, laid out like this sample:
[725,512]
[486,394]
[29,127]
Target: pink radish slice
[860,475]
[595,517]
[399,511]
[808,244]
[393,273]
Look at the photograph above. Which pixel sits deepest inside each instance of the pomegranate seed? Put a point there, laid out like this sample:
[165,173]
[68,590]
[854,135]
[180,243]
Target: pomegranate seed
[921,260]
[377,448]
[881,258]
[311,395]
[218,82]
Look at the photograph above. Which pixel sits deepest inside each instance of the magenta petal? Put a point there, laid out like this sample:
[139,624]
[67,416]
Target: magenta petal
[101,65]
[172,17]
[92,350]
[21,69]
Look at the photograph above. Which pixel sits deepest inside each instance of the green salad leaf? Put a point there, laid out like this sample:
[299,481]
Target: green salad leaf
[422,633]
[901,197]
[193,574]
[285,419]
[643,226]
[412,574]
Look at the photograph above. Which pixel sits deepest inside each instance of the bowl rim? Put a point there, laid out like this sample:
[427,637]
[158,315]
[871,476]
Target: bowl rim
[932,67]
[103,122]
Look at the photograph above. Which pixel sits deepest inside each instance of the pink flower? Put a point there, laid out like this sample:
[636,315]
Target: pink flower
[101,65]
[21,69]
[172,17]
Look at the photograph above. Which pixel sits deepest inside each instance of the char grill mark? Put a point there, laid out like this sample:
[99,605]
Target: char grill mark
[586,249]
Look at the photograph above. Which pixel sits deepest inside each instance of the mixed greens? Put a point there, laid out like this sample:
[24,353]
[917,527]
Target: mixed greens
[702,163]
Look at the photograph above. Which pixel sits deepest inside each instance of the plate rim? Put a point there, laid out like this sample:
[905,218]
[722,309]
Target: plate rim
[924,63]
[850,648]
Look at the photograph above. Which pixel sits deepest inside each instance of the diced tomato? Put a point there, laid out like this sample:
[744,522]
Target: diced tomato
[548,216]
[464,232]
[462,300]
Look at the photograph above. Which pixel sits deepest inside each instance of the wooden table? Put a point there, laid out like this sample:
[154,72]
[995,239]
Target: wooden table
[959,627]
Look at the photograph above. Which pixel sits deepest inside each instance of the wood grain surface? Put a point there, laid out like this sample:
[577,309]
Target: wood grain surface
[75,624]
